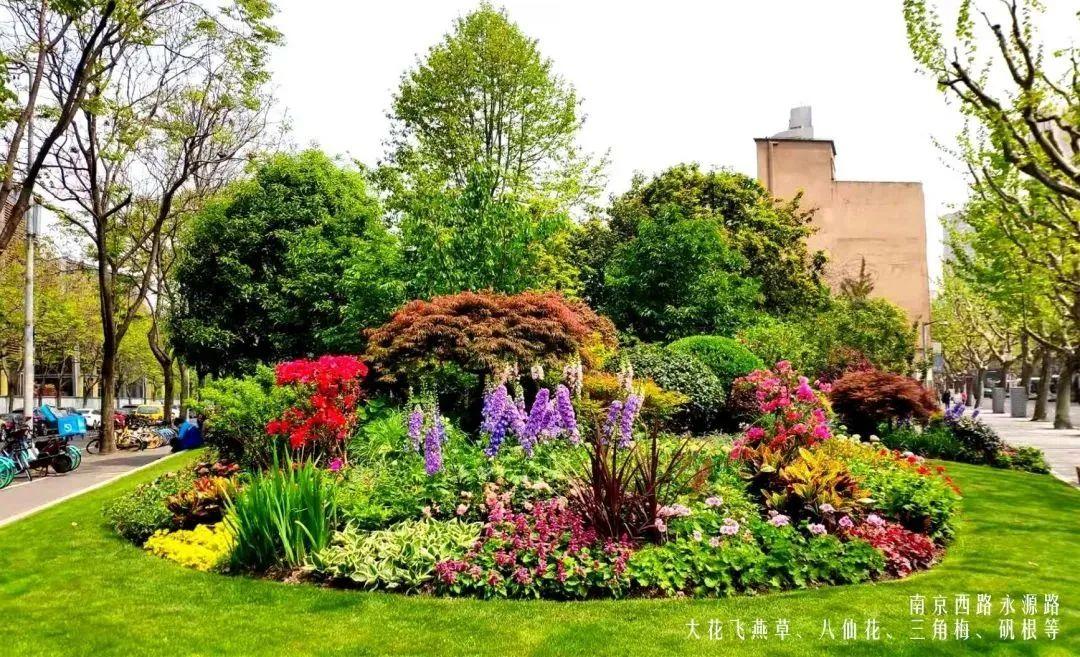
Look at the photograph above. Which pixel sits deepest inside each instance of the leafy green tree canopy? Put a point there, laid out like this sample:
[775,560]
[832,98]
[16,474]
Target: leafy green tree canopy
[261,266]
[486,97]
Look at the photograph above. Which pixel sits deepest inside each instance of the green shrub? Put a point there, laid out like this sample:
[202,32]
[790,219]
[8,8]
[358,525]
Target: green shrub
[1029,459]
[773,341]
[685,374]
[282,516]
[771,558]
[401,557]
[935,441]
[237,411]
[140,512]
[726,357]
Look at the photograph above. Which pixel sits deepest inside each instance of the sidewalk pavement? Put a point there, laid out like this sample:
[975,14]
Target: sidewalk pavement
[1062,448]
[23,497]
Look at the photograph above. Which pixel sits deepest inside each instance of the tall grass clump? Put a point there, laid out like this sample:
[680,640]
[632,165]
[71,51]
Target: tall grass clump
[282,516]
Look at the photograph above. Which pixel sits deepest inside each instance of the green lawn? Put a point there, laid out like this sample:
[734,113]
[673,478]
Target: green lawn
[69,587]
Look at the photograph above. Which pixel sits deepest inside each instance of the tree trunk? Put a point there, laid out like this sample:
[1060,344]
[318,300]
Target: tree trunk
[165,360]
[1026,364]
[1064,394]
[185,388]
[108,394]
[980,378]
[1043,394]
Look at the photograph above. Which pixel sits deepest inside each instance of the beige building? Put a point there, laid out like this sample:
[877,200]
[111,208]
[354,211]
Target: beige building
[881,222]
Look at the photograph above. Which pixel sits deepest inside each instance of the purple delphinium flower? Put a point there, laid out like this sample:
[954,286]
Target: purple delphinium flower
[613,415]
[816,528]
[416,426]
[567,419]
[495,419]
[626,422]
[436,435]
[536,422]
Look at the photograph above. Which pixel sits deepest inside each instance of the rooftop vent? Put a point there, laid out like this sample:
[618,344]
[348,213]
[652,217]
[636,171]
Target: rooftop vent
[800,125]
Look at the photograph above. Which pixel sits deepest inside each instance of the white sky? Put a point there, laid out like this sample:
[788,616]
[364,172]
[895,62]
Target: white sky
[662,82]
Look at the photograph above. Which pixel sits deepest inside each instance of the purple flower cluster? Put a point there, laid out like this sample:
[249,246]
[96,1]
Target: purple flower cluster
[436,436]
[620,417]
[548,418]
[416,427]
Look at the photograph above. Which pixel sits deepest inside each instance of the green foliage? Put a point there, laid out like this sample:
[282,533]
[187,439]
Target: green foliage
[878,329]
[769,235]
[386,483]
[772,341]
[1030,459]
[261,270]
[282,517]
[685,374]
[486,97]
[678,276]
[401,557]
[768,558]
[237,410]
[141,511]
[469,240]
[726,357]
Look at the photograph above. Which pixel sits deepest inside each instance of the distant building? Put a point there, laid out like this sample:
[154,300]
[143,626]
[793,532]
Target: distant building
[881,222]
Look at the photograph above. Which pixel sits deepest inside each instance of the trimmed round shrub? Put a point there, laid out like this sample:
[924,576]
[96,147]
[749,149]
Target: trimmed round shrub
[686,374]
[726,357]
[866,399]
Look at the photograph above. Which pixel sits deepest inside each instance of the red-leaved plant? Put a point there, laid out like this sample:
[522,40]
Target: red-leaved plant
[326,410]
[904,550]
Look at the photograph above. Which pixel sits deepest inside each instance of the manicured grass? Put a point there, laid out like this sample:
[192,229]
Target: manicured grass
[69,587]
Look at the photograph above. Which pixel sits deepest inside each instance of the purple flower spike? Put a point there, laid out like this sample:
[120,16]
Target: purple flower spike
[416,426]
[614,414]
[436,435]
[567,419]
[626,422]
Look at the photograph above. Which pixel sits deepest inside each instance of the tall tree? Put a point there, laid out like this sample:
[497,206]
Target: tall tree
[1022,153]
[486,97]
[55,54]
[179,105]
[261,270]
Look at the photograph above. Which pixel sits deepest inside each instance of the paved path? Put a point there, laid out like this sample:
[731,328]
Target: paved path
[1062,448]
[22,497]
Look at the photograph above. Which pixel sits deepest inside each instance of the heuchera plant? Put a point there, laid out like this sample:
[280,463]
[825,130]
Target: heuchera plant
[547,551]
[905,551]
[326,411]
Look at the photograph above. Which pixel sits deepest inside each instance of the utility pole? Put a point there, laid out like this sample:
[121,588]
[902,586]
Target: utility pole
[32,219]
[32,216]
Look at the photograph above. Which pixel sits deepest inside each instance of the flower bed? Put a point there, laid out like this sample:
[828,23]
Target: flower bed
[567,489]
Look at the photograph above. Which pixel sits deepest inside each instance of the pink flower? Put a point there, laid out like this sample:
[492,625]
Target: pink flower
[462,509]
[827,508]
[714,501]
[755,433]
[816,528]
[875,520]
[697,535]
[714,541]
[845,523]
[730,528]
[673,511]
[780,520]
[661,526]
[335,465]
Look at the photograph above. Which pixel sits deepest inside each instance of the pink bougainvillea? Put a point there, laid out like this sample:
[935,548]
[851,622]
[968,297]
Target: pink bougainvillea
[792,413]
[326,410]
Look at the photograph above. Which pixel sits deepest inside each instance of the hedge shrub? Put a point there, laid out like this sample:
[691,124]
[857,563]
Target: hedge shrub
[726,357]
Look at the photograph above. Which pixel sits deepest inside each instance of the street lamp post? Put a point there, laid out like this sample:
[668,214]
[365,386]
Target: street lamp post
[33,218]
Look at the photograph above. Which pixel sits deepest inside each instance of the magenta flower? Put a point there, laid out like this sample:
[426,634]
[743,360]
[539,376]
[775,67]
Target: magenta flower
[335,464]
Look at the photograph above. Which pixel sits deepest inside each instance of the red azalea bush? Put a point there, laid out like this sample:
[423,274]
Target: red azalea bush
[547,551]
[326,412]
[905,551]
[865,399]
